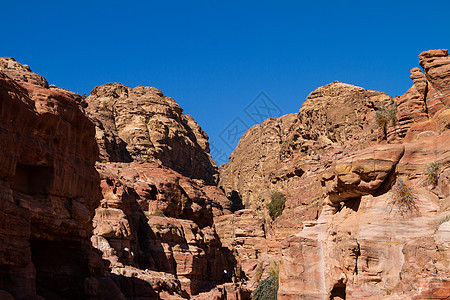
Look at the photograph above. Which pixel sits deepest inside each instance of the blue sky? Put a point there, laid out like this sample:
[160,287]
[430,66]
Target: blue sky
[214,58]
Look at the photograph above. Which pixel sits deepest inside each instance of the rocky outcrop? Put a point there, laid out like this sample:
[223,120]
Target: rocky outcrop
[154,222]
[429,94]
[436,64]
[274,155]
[341,234]
[243,232]
[49,189]
[143,125]
[290,154]
[337,113]
[411,106]
[20,72]
[364,246]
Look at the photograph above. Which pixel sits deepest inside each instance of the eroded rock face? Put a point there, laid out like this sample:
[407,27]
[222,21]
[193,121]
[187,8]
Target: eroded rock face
[243,232]
[362,173]
[143,125]
[290,154]
[367,248]
[20,72]
[49,189]
[274,155]
[337,113]
[152,219]
[429,94]
[341,235]
[436,64]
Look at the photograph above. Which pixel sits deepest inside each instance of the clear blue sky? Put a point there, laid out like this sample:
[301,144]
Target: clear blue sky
[215,57]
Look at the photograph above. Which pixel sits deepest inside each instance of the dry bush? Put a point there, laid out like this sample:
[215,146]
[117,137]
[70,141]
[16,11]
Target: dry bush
[403,197]
[432,172]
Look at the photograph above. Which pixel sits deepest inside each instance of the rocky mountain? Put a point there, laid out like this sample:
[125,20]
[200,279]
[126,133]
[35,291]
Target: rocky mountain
[143,125]
[75,228]
[115,196]
[343,162]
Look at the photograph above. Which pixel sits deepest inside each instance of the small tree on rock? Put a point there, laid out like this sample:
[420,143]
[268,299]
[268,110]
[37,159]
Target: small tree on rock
[276,204]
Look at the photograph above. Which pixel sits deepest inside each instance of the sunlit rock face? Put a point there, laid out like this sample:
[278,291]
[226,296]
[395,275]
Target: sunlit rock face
[341,235]
[152,218]
[150,208]
[143,125]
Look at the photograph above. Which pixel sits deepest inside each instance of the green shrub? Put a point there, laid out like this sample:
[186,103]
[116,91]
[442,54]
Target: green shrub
[266,289]
[403,197]
[276,205]
[432,172]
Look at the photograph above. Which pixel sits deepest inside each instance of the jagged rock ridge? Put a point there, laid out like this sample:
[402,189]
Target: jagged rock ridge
[341,235]
[143,125]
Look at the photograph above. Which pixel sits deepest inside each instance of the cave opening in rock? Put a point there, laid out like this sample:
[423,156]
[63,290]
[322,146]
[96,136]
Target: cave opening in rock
[32,179]
[338,292]
[61,269]
[353,204]
[153,192]
[236,201]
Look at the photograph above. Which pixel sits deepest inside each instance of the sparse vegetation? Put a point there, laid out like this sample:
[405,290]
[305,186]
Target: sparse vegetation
[432,172]
[268,288]
[276,204]
[403,197]
[384,115]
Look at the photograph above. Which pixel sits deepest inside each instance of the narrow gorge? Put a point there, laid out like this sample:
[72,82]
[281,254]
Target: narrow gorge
[116,195]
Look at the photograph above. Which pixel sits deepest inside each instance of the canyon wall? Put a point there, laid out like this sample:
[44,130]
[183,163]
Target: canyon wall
[49,189]
[115,196]
[342,235]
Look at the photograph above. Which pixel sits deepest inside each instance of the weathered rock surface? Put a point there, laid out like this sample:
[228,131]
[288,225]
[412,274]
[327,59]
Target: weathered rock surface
[366,248]
[436,64]
[429,94]
[243,232]
[274,155]
[290,154]
[166,231]
[20,72]
[143,125]
[49,189]
[340,234]
[152,219]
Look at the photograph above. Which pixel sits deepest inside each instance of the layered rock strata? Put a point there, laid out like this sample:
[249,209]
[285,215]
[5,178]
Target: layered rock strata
[143,125]
[49,189]
[341,234]
[154,222]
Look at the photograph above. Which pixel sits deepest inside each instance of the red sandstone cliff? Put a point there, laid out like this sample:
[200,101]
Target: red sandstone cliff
[49,189]
[151,210]
[341,236]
